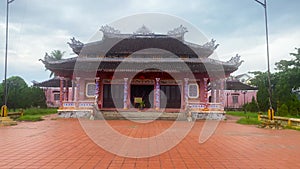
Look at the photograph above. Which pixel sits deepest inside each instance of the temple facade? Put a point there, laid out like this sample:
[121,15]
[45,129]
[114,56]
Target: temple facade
[142,71]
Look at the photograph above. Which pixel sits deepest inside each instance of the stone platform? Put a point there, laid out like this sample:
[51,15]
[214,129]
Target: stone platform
[7,121]
[138,115]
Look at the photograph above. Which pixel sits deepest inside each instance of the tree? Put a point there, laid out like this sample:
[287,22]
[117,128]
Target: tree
[288,79]
[261,81]
[252,106]
[1,94]
[22,96]
[54,56]
[34,97]
[291,69]
[284,82]
[15,87]
[283,110]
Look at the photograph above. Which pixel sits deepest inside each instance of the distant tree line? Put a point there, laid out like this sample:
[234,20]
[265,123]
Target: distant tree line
[285,87]
[20,95]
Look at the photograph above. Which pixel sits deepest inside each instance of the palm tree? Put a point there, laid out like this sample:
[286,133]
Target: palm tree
[54,56]
[57,54]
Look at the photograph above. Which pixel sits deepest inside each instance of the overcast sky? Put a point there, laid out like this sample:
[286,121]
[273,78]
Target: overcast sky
[39,26]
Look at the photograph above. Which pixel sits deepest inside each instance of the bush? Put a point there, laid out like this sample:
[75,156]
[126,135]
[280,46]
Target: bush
[293,109]
[283,110]
[252,106]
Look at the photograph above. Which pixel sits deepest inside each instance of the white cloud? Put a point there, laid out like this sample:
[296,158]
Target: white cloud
[253,50]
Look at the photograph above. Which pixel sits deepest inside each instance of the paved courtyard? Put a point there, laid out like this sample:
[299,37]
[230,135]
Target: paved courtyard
[62,143]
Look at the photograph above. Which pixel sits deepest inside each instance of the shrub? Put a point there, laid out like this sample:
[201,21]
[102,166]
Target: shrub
[293,109]
[283,110]
[252,106]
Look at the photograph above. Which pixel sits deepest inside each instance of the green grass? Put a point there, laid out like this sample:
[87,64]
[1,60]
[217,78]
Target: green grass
[248,118]
[30,118]
[242,114]
[292,116]
[292,128]
[35,114]
[36,111]
[248,121]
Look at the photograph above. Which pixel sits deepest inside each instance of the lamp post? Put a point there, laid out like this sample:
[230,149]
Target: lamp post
[6,46]
[4,107]
[264,4]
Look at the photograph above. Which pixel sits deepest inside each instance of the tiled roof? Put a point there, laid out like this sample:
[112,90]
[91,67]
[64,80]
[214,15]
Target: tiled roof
[140,64]
[237,85]
[54,82]
[124,47]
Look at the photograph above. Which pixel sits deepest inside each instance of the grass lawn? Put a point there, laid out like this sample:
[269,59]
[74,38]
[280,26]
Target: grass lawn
[292,127]
[35,114]
[246,118]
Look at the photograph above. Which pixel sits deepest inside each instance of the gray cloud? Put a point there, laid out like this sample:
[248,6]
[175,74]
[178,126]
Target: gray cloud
[39,26]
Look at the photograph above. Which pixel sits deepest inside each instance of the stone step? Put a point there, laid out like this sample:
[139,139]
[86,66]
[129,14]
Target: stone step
[5,118]
[7,121]
[140,115]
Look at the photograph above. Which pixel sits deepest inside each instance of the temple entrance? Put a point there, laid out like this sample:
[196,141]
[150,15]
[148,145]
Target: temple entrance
[143,92]
[113,95]
[172,96]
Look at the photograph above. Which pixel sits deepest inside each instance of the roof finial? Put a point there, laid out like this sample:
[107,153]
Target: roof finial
[109,30]
[143,31]
[236,60]
[76,45]
[181,30]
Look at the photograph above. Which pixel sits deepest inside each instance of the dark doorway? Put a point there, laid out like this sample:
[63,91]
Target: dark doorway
[143,91]
[113,96]
[173,96]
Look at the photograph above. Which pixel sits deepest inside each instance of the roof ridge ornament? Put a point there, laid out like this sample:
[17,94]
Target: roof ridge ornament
[76,45]
[179,31]
[211,44]
[109,30]
[143,31]
[236,60]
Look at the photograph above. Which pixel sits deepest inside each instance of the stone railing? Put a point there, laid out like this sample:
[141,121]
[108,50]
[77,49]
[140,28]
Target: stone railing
[283,120]
[201,106]
[201,110]
[75,105]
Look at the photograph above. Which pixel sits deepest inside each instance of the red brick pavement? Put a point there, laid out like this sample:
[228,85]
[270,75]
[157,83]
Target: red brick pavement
[62,143]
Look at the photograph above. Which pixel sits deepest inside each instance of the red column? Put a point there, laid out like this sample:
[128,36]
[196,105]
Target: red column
[61,93]
[73,90]
[205,92]
[212,91]
[100,101]
[67,90]
[201,90]
[77,90]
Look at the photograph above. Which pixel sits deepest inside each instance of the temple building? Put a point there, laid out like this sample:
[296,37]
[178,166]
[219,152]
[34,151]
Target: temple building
[141,71]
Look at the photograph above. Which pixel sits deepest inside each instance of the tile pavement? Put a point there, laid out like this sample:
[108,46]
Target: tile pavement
[63,143]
